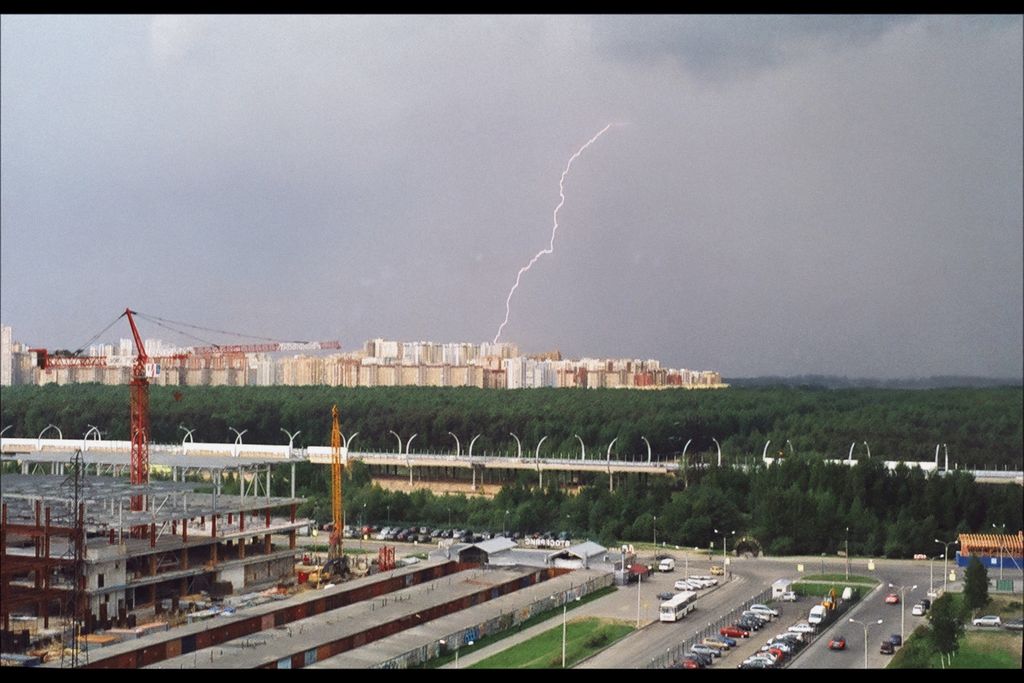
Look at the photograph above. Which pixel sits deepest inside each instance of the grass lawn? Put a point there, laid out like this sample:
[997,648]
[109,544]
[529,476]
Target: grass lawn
[584,637]
[987,650]
[839,578]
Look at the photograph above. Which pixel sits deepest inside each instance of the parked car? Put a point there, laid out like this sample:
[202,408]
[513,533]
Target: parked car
[1014,625]
[988,620]
[927,604]
[682,585]
[789,596]
[892,599]
[715,643]
[896,639]
[754,663]
[887,647]
[802,627]
[704,659]
[705,650]
[717,571]
[666,595]
[690,663]
[748,624]
[917,610]
[734,632]
[764,609]
[837,643]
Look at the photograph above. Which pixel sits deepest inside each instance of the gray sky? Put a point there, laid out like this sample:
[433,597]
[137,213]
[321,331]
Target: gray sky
[789,195]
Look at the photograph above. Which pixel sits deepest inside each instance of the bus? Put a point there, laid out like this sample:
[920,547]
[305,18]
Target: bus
[678,607]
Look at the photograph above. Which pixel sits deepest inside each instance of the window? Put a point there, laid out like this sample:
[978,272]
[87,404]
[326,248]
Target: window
[99,580]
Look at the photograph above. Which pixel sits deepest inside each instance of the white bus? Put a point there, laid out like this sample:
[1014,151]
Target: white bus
[678,607]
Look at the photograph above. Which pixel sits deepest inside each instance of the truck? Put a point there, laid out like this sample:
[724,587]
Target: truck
[817,614]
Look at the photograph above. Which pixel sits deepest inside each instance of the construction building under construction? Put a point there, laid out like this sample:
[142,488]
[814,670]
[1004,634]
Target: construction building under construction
[72,545]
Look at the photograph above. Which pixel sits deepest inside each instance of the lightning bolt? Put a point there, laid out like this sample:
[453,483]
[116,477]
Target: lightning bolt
[554,230]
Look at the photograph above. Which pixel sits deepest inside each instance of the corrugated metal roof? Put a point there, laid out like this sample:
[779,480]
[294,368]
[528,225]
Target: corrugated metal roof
[495,545]
[584,550]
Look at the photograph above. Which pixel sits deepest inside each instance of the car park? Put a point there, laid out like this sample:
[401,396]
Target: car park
[892,599]
[837,642]
[917,610]
[988,620]
[887,647]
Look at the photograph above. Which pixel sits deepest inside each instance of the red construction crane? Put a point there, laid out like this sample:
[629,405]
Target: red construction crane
[139,388]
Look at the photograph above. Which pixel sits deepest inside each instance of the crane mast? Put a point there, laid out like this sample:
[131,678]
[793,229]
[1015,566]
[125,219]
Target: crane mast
[139,387]
[337,532]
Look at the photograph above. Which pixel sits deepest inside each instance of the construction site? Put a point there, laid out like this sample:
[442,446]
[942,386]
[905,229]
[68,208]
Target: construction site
[103,570]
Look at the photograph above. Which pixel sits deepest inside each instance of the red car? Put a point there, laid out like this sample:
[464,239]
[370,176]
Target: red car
[892,599]
[837,643]
[733,632]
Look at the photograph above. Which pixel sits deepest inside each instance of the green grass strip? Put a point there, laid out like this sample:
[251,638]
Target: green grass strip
[488,640]
[584,637]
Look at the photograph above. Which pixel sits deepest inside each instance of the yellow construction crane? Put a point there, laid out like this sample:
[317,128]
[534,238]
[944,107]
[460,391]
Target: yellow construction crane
[336,564]
[337,532]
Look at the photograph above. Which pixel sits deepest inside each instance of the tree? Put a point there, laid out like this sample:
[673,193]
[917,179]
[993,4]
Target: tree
[975,584]
[947,624]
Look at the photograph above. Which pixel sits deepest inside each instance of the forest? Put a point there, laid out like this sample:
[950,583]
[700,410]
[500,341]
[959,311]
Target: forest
[800,505]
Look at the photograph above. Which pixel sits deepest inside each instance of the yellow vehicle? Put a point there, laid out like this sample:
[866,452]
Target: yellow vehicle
[717,571]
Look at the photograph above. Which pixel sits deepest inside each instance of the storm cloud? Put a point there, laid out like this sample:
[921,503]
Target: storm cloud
[788,195]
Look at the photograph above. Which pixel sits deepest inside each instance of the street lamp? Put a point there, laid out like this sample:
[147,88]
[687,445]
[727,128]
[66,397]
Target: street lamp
[392,431]
[719,447]
[1003,527]
[504,523]
[847,553]
[238,438]
[945,560]
[583,456]
[564,606]
[389,515]
[931,575]
[655,534]
[724,536]
[5,429]
[865,625]
[458,446]
[519,446]
[903,605]
[291,439]
[188,435]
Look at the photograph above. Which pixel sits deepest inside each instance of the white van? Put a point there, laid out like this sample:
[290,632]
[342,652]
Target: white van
[667,565]
[817,614]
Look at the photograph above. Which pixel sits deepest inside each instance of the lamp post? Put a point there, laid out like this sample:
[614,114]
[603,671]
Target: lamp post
[655,535]
[865,625]
[945,560]
[639,580]
[719,447]
[564,605]
[1003,527]
[847,553]
[389,515]
[724,536]
[903,606]
[238,441]
[5,429]
[504,523]
[931,575]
